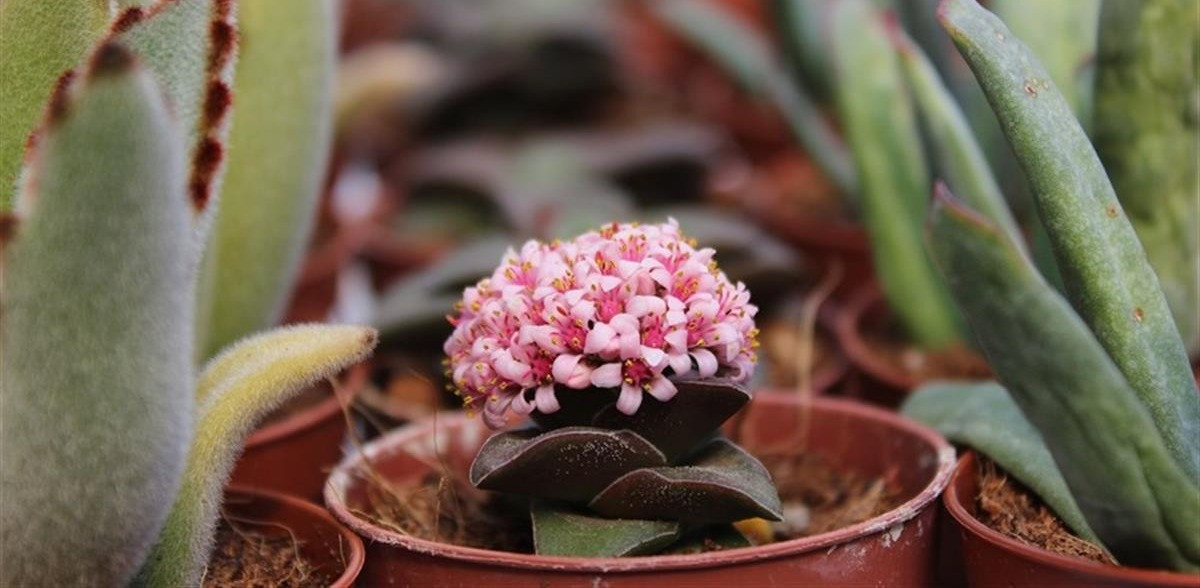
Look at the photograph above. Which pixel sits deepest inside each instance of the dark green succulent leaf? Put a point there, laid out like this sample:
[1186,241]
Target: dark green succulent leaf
[563,531]
[571,464]
[711,538]
[677,426]
[1102,438]
[984,417]
[1108,279]
[722,484]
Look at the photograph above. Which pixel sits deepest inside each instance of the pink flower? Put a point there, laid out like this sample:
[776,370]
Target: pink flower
[626,307]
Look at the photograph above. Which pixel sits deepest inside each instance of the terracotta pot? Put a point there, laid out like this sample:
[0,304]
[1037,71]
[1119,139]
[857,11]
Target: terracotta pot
[294,455]
[324,543]
[878,379]
[894,549]
[994,559]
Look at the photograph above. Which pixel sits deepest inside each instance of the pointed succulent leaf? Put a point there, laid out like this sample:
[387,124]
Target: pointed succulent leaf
[1063,37]
[745,54]
[722,484]
[1103,264]
[563,531]
[278,149]
[248,381]
[572,464]
[958,158]
[1119,470]
[984,417]
[190,47]
[39,42]
[95,327]
[1147,118]
[881,128]
[678,426]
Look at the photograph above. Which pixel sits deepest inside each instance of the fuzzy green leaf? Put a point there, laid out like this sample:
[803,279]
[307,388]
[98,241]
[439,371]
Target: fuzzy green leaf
[1147,119]
[983,416]
[1102,438]
[278,149]
[96,330]
[1104,267]
[39,41]
[959,159]
[745,54]
[189,45]
[722,484]
[241,386]
[882,130]
[571,464]
[566,532]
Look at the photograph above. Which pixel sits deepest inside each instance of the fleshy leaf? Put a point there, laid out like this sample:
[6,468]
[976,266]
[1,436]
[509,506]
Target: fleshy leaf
[881,128]
[571,464]
[190,47]
[564,531]
[746,56]
[1102,438]
[1147,119]
[278,150]
[983,416]
[959,159]
[1063,37]
[39,41]
[96,331]
[1104,267]
[253,378]
[722,484]
[675,427]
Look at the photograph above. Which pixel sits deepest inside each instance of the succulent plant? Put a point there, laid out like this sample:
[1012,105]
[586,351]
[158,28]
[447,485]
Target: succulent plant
[627,347]
[114,451]
[1115,404]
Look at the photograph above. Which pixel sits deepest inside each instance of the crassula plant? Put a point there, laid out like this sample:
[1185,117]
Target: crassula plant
[628,348]
[114,448]
[1099,413]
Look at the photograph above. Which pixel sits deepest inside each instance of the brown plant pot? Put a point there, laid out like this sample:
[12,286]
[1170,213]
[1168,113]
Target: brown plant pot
[875,378]
[295,454]
[893,549]
[325,544]
[994,559]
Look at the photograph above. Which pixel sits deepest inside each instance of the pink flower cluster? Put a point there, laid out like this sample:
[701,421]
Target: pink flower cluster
[627,306]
